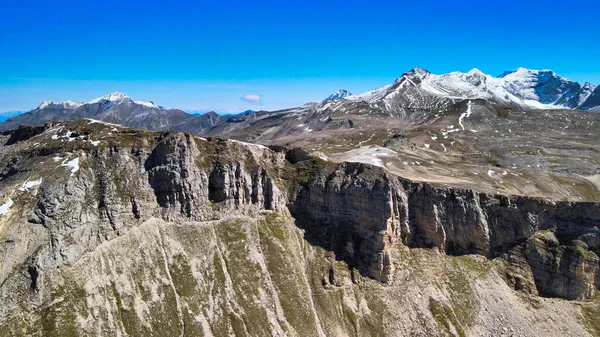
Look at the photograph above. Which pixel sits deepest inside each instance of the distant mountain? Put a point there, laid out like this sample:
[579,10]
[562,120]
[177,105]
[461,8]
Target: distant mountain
[545,87]
[8,114]
[520,88]
[337,95]
[412,97]
[592,103]
[220,112]
[115,108]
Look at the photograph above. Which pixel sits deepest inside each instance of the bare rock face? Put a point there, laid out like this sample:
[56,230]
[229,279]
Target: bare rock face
[361,212]
[234,176]
[561,270]
[351,213]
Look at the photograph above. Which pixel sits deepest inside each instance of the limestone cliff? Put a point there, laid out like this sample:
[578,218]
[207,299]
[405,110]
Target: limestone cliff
[112,231]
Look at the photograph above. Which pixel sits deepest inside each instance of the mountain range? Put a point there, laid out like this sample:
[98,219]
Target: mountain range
[415,91]
[521,88]
[115,108]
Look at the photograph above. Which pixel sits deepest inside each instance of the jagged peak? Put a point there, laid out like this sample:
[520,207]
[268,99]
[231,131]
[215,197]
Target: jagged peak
[341,93]
[415,73]
[588,86]
[420,72]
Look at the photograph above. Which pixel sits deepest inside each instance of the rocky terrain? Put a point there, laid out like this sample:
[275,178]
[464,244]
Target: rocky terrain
[112,231]
[474,144]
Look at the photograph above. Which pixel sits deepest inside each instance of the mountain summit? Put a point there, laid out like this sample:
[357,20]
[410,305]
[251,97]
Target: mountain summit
[112,97]
[337,95]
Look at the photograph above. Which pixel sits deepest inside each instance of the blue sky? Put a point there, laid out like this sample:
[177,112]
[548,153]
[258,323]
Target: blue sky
[208,55]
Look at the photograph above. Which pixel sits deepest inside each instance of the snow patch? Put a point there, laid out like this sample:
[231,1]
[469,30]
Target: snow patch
[92,121]
[5,206]
[465,115]
[29,184]
[249,144]
[147,104]
[73,164]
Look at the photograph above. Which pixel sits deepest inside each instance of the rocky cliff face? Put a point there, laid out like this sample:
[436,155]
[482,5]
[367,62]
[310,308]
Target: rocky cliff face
[360,211]
[113,231]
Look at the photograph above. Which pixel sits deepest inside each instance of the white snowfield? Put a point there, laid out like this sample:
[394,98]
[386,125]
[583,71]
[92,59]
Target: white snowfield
[518,87]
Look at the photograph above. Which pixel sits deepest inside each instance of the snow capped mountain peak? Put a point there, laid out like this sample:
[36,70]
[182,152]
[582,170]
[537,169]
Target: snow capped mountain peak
[43,105]
[476,71]
[592,100]
[588,86]
[521,73]
[543,86]
[66,104]
[112,97]
[521,87]
[119,97]
[420,71]
[338,95]
[415,73]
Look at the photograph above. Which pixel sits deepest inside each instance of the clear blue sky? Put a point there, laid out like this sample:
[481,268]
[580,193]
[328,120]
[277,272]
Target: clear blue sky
[207,55]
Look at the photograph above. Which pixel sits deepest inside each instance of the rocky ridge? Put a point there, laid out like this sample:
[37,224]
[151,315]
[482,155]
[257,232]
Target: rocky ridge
[152,233]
